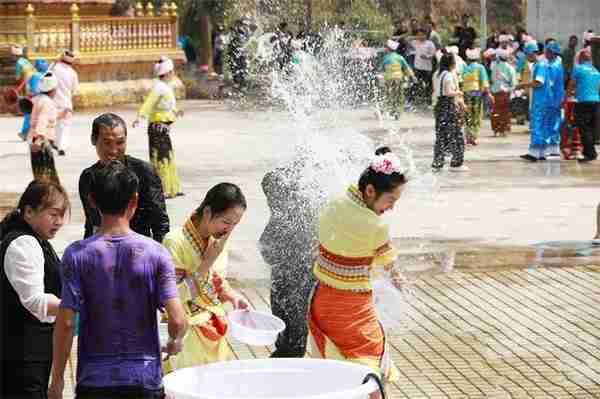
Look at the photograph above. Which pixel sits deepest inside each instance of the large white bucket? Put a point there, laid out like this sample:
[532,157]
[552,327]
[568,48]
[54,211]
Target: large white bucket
[272,379]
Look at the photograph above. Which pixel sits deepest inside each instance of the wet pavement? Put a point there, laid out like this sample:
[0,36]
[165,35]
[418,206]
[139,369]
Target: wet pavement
[514,314]
[512,333]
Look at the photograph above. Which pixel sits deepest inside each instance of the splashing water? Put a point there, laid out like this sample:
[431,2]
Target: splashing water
[320,82]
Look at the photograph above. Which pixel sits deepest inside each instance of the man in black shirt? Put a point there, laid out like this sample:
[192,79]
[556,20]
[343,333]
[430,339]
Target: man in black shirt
[109,136]
[466,36]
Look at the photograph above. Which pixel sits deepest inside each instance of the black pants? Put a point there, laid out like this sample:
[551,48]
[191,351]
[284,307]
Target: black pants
[118,393]
[448,134]
[585,119]
[239,71]
[42,164]
[25,379]
[291,285]
[425,90]
[218,62]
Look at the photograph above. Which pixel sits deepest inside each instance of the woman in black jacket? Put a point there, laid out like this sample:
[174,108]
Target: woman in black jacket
[30,289]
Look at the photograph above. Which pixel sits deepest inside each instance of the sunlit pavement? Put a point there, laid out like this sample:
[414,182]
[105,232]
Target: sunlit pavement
[507,318]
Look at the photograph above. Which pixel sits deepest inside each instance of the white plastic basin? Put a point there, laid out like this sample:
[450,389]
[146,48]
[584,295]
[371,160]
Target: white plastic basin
[163,333]
[271,379]
[255,328]
[392,308]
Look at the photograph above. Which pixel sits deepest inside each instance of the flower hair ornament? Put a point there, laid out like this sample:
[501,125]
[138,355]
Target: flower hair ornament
[386,164]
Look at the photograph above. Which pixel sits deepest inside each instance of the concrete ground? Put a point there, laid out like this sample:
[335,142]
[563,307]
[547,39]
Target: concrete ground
[501,201]
[500,325]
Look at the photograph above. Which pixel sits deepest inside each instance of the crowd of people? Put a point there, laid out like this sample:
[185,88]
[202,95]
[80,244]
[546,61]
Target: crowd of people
[515,76]
[48,111]
[47,107]
[130,264]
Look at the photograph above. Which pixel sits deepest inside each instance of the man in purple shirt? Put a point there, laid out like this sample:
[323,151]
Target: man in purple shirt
[116,280]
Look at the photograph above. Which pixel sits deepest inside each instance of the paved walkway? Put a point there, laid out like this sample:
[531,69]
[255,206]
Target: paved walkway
[492,328]
[529,333]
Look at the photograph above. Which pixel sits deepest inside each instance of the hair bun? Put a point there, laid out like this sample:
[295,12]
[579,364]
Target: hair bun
[383,150]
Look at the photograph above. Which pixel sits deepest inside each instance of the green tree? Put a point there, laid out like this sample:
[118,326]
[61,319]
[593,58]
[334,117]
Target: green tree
[368,18]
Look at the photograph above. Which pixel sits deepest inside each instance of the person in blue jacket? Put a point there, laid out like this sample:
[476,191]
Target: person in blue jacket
[41,67]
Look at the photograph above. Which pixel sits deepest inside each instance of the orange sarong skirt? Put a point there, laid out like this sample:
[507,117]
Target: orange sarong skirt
[343,325]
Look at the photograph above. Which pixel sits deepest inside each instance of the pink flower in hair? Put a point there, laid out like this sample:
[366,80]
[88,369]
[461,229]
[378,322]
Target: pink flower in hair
[386,164]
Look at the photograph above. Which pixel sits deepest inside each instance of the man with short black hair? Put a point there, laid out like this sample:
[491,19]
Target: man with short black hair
[117,280]
[109,136]
[466,35]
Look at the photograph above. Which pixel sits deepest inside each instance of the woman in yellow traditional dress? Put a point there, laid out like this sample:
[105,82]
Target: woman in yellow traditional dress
[353,239]
[199,252]
[160,109]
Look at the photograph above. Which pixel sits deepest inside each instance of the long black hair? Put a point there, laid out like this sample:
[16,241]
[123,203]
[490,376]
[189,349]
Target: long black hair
[221,198]
[447,62]
[381,182]
[39,195]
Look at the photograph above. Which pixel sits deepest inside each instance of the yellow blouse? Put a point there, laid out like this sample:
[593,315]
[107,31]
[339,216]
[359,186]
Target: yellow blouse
[160,105]
[353,239]
[199,296]
[525,75]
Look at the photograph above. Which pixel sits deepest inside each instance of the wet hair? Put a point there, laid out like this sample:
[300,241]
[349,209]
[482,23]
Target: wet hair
[39,195]
[221,198]
[114,187]
[446,62]
[109,120]
[383,150]
[381,182]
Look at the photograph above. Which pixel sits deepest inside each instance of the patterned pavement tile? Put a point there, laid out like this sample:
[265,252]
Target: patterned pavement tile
[526,333]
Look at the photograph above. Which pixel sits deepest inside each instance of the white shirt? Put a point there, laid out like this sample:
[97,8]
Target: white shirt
[24,268]
[68,82]
[426,48]
[449,85]
[166,93]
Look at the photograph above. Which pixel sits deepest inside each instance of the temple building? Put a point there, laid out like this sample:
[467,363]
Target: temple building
[115,55]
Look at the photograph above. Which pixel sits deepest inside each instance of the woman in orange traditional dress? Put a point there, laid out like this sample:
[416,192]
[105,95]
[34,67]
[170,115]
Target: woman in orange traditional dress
[353,238]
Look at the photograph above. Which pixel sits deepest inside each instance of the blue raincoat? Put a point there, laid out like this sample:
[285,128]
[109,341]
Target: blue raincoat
[546,108]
